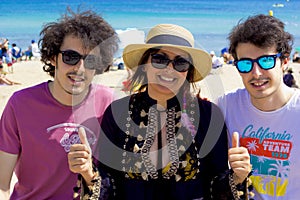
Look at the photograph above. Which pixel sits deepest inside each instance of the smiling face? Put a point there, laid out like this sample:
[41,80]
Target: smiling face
[71,82]
[262,85]
[165,83]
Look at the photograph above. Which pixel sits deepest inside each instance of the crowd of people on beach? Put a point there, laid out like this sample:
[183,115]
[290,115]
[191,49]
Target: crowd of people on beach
[224,58]
[69,138]
[11,53]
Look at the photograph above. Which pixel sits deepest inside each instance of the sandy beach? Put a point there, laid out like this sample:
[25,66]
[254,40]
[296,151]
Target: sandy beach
[30,73]
[219,81]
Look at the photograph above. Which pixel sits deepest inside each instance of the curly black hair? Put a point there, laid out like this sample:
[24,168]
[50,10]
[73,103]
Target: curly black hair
[263,31]
[88,26]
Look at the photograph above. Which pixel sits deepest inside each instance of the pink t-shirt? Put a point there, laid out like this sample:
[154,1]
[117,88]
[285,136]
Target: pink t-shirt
[41,130]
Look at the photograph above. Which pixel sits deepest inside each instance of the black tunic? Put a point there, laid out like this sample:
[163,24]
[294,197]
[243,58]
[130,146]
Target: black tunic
[128,127]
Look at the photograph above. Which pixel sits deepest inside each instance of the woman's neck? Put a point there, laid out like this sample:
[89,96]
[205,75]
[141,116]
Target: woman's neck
[161,98]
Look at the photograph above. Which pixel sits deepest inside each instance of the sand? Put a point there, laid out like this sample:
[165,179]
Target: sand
[30,73]
[219,81]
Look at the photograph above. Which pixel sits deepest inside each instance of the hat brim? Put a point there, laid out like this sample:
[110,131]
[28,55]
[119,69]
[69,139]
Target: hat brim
[201,59]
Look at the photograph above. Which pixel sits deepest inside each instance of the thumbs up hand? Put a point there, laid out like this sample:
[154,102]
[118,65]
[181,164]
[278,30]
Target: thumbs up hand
[80,157]
[235,140]
[239,159]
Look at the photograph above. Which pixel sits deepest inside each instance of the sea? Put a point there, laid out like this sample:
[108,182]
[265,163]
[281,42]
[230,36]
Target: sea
[210,21]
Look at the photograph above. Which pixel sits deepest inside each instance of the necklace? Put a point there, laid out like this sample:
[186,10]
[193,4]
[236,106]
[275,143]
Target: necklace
[175,150]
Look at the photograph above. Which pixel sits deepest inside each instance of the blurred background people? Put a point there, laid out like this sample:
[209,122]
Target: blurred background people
[16,52]
[216,61]
[289,79]
[35,49]
[296,57]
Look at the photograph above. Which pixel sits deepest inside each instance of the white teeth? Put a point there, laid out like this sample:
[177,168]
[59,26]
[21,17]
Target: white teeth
[258,84]
[166,78]
[76,78]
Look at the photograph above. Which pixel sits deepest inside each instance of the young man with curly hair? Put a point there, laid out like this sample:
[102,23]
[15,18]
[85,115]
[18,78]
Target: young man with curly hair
[40,123]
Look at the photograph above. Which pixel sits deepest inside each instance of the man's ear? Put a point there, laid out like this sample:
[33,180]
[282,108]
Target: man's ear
[53,61]
[285,63]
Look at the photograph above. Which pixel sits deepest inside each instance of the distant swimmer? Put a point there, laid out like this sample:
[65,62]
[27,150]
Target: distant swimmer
[278,5]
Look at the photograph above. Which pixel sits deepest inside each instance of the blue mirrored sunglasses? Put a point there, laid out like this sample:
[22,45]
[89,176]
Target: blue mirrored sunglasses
[266,62]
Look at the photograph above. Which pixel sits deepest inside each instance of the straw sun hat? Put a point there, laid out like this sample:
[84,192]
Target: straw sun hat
[170,35]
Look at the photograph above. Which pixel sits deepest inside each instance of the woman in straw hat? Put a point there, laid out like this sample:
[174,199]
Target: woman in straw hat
[163,142]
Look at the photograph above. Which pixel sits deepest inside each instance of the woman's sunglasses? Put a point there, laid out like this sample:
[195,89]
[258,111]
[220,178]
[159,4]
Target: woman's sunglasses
[161,61]
[265,62]
[71,57]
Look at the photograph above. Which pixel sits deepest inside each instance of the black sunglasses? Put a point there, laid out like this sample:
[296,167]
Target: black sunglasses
[266,62]
[71,57]
[161,61]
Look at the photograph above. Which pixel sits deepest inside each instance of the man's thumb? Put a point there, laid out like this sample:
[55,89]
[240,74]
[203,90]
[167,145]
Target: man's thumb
[235,139]
[82,136]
